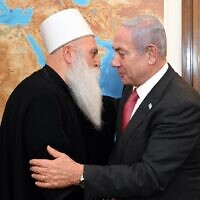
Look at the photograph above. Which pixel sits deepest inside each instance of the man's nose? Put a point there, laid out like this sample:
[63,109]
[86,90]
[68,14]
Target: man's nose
[115,62]
[97,62]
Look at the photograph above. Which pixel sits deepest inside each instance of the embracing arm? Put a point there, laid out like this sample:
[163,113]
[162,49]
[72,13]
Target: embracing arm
[174,136]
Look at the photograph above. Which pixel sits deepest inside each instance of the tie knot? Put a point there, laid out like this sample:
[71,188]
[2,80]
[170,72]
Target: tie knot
[133,97]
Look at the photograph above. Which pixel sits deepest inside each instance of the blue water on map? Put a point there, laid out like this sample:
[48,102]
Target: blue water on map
[82,2]
[36,48]
[21,17]
[110,82]
[15,16]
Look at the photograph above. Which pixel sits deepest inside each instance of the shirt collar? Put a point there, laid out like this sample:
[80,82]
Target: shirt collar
[147,86]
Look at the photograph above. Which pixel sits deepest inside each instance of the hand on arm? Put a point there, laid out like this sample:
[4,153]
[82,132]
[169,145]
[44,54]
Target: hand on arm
[58,173]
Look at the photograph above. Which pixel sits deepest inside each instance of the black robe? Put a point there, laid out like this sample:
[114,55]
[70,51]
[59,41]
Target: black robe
[39,112]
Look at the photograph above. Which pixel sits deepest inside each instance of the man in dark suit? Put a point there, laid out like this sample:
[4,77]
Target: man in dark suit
[157,154]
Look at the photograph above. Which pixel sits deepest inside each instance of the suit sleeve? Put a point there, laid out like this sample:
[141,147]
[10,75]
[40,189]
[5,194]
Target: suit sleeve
[173,136]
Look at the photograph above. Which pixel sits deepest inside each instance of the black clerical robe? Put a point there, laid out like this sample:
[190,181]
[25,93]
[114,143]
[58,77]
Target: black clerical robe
[39,112]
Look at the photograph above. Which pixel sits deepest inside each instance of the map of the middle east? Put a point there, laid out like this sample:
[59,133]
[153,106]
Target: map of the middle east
[22,51]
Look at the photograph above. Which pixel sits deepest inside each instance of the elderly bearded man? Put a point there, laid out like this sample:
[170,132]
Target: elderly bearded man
[61,105]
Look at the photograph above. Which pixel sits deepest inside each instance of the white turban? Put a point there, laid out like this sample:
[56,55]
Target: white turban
[63,27]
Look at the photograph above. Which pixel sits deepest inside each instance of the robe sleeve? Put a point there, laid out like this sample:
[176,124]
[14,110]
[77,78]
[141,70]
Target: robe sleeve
[42,127]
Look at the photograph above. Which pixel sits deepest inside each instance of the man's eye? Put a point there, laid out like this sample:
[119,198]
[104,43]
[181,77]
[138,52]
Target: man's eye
[94,53]
[122,54]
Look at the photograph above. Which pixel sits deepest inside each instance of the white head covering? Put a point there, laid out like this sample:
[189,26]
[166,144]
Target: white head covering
[63,27]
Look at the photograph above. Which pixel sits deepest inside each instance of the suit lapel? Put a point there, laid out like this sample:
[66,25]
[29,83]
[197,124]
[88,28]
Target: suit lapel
[147,106]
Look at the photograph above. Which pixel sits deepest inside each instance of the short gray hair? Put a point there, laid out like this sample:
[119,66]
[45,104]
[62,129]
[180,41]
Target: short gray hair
[147,29]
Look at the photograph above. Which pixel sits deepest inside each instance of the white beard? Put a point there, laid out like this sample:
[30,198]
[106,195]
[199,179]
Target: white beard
[84,83]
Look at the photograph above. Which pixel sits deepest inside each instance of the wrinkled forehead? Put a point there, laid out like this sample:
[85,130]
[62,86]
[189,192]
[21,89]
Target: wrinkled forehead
[122,37]
[87,41]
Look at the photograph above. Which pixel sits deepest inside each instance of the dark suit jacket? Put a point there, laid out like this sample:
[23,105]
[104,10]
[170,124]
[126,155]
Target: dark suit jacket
[158,156]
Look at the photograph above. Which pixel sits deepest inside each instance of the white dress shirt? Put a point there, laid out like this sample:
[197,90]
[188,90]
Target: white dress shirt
[144,89]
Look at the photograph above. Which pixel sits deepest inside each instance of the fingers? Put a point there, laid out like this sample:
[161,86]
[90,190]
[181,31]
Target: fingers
[43,181]
[39,162]
[45,185]
[39,177]
[54,152]
[38,170]
[45,162]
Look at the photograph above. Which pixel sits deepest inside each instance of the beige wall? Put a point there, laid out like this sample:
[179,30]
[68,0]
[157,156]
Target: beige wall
[172,22]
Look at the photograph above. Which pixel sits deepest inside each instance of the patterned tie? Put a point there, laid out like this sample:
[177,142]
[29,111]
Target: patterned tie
[128,108]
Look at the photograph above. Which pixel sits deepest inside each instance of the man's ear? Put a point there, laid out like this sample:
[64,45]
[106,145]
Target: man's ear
[68,54]
[152,53]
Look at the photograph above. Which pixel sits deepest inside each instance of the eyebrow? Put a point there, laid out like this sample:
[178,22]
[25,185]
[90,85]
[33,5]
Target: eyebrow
[120,49]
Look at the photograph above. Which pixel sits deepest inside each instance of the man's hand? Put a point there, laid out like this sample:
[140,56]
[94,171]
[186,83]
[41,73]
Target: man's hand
[58,173]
